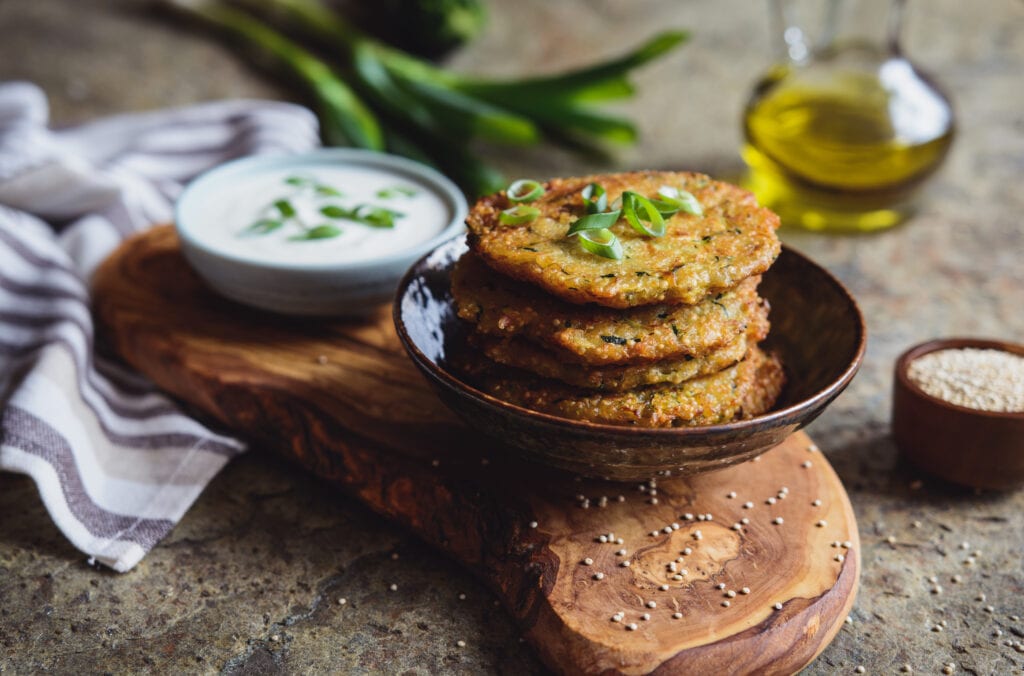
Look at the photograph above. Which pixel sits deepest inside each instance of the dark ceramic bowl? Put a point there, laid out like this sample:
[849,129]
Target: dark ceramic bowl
[817,330]
[981,449]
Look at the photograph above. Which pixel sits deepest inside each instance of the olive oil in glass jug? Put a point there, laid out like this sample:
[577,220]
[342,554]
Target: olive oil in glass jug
[841,134]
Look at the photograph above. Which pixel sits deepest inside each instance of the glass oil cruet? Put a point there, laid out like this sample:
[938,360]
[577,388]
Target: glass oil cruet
[839,135]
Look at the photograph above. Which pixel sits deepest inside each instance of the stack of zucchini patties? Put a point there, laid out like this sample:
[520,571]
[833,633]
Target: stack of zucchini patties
[627,299]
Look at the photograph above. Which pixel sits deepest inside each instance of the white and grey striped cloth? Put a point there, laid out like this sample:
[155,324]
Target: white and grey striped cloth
[116,462]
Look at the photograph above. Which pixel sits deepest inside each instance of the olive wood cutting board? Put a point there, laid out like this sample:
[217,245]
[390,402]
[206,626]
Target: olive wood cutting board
[342,399]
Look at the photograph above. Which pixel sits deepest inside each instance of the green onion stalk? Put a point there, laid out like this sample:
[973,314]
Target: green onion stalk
[382,97]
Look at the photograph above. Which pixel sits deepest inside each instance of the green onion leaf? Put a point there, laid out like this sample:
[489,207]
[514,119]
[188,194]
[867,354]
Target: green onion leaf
[298,180]
[285,208]
[395,191]
[518,215]
[328,191]
[524,190]
[263,226]
[601,243]
[334,211]
[325,231]
[680,200]
[595,198]
[600,221]
[642,215]
[376,217]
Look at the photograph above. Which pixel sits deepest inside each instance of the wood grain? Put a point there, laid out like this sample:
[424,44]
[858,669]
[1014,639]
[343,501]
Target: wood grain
[343,400]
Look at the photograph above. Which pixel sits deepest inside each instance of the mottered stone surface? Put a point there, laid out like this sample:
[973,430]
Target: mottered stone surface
[249,581]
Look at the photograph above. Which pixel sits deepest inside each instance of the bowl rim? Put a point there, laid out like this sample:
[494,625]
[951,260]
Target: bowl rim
[443,186]
[954,343]
[773,418]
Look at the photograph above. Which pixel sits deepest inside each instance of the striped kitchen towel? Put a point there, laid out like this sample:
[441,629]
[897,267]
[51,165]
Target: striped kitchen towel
[116,462]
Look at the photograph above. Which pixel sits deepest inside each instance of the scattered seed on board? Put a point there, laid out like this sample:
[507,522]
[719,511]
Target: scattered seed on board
[625,564]
[666,530]
[731,494]
[632,626]
[687,551]
[745,521]
[621,552]
[598,576]
[617,617]
[822,523]
[730,594]
[393,587]
[663,587]
[726,604]
[688,516]
[849,619]
[677,616]
[737,526]
[720,585]
[813,448]
[777,606]
[697,535]
[602,539]
[859,669]
[777,521]
[342,601]
[461,644]
[619,541]
[806,464]
[588,561]
[674,526]
[748,505]
[745,590]
[653,533]
[816,503]
[645,617]
[652,604]
[770,501]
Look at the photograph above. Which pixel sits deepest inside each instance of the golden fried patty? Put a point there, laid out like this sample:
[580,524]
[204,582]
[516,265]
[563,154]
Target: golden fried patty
[502,307]
[697,256]
[747,389]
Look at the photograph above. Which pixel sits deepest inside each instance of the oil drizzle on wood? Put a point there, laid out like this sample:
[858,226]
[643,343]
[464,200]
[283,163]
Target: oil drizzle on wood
[342,399]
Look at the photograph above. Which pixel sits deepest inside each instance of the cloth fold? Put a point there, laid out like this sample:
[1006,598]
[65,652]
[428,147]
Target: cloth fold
[116,462]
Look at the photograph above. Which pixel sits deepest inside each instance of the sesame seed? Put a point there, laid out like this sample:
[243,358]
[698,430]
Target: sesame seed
[965,545]
[619,541]
[730,594]
[816,503]
[653,533]
[737,526]
[720,585]
[709,517]
[907,669]
[969,561]
[784,489]
[321,359]
[435,462]
[533,524]
[745,590]
[915,524]
[598,576]
[806,464]
[748,505]
[937,589]
[666,529]
[671,566]
[838,557]
[731,494]
[621,552]
[645,617]
[617,617]
[663,587]
[485,462]
[461,644]
[813,448]
[859,669]
[726,604]
[777,521]
[677,577]
[976,553]
[462,597]
[770,501]
[621,498]
[688,516]
[674,526]
[275,638]
[588,561]
[744,521]
[777,606]
[847,544]
[933,579]
[687,551]
[979,597]
[342,601]
[700,517]
[652,604]
[849,619]
[948,669]
[1015,618]
[603,502]
[632,626]
[677,616]
[393,587]
[697,535]
[602,539]
[891,539]
[625,564]
[781,495]
[822,523]
[653,501]
[989,609]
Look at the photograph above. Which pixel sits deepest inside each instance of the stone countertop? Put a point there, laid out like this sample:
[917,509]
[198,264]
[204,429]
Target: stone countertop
[251,580]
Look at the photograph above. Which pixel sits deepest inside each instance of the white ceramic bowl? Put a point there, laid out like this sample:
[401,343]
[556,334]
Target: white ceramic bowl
[321,288]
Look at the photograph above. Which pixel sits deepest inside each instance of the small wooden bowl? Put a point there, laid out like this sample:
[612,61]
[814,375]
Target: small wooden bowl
[817,330]
[981,449]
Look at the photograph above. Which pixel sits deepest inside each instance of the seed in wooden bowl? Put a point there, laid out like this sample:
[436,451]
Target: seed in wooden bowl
[983,379]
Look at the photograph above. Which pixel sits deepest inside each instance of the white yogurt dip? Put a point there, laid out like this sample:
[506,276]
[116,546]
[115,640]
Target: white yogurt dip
[244,218]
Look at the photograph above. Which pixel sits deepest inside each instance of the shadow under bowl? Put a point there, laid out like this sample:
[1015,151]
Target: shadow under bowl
[967,446]
[817,330]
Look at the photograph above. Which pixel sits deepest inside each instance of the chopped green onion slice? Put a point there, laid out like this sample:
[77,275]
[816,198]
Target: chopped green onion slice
[325,231]
[285,208]
[665,208]
[593,222]
[642,215]
[681,200]
[595,198]
[602,243]
[524,190]
[518,215]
